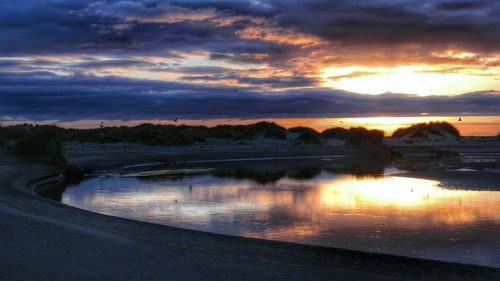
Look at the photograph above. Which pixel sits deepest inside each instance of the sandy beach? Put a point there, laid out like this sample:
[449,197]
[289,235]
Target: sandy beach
[46,240]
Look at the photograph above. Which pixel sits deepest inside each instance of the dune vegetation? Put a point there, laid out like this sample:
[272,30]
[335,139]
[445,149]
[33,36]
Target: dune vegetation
[45,141]
[425,129]
[306,134]
[170,134]
[30,140]
[41,142]
[355,136]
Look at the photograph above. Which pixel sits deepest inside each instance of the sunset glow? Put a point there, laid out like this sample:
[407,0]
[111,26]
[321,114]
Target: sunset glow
[371,127]
[229,60]
[470,125]
[412,79]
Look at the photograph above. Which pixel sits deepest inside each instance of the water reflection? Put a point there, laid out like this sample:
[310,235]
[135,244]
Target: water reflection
[382,213]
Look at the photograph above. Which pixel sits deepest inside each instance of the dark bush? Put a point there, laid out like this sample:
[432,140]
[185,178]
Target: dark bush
[308,137]
[355,136]
[41,142]
[34,139]
[266,129]
[424,129]
[363,136]
[306,134]
[304,130]
[224,132]
[335,133]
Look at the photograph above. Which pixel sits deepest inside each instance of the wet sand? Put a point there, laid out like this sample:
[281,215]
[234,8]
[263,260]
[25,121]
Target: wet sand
[42,239]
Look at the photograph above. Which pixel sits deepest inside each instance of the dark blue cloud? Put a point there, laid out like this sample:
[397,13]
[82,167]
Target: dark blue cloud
[269,82]
[436,24]
[123,31]
[44,96]
[462,5]
[76,26]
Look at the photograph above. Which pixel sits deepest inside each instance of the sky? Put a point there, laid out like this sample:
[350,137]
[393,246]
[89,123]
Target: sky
[157,60]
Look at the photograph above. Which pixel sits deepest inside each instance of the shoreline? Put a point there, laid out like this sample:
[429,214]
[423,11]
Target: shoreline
[233,256]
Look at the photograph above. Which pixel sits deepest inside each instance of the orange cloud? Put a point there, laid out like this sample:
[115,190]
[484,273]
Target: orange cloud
[278,35]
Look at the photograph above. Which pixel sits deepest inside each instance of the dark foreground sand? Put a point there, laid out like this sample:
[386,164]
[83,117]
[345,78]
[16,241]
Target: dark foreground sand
[44,240]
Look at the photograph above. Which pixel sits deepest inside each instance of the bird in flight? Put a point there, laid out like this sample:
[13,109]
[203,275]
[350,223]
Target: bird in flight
[176,119]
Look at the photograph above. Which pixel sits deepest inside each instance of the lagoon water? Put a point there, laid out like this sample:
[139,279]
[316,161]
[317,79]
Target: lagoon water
[379,212]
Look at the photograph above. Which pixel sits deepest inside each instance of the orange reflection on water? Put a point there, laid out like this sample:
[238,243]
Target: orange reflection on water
[420,198]
[387,191]
[347,209]
[389,214]
[322,203]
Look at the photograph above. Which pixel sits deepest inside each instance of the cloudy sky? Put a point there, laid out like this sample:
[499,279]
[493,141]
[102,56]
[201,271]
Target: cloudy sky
[152,59]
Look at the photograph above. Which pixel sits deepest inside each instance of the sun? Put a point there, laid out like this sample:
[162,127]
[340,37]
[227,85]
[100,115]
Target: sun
[412,79]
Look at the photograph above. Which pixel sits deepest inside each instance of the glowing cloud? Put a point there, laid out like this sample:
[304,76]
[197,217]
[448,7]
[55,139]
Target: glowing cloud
[412,79]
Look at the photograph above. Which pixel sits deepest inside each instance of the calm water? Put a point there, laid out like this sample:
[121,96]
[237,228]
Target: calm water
[320,206]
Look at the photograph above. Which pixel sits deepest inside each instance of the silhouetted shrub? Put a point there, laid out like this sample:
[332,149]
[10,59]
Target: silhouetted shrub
[424,129]
[41,142]
[308,137]
[168,134]
[335,133]
[54,151]
[224,132]
[306,134]
[275,132]
[355,136]
[363,136]
[302,130]
[266,129]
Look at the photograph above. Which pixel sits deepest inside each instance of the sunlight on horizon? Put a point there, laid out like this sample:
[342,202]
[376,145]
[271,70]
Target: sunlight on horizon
[422,80]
